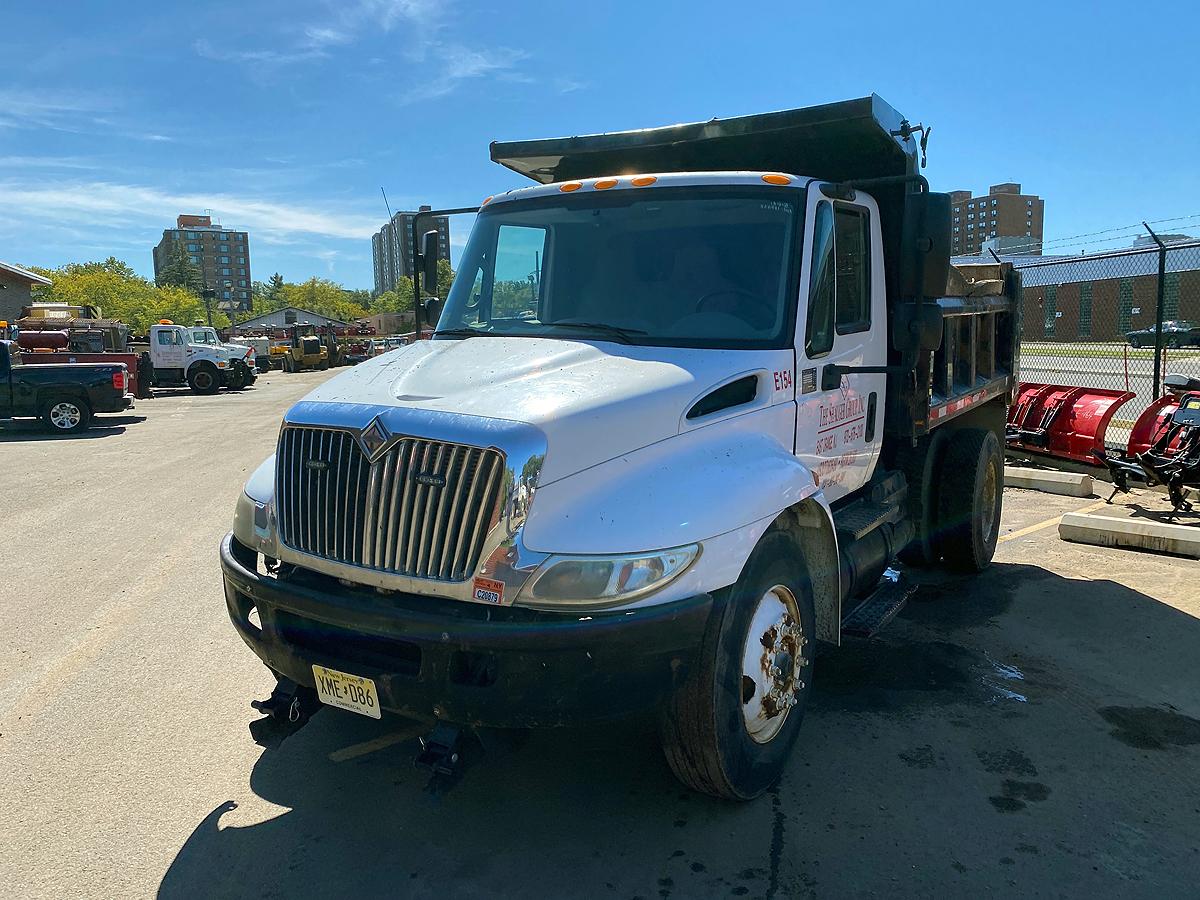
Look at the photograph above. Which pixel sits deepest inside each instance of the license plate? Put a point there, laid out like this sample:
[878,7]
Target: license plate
[345,691]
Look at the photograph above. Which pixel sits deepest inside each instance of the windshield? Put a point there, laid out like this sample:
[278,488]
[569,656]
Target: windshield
[702,267]
[201,336]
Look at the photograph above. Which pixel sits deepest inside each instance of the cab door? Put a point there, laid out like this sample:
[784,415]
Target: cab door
[167,349]
[843,322]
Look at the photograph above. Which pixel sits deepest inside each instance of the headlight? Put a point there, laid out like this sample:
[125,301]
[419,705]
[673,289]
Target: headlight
[605,580]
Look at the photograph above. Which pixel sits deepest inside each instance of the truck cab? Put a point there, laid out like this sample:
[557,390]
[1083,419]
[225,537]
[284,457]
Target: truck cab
[241,376]
[672,431]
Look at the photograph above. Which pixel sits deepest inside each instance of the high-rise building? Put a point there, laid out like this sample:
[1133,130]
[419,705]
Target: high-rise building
[223,257]
[391,247]
[1010,220]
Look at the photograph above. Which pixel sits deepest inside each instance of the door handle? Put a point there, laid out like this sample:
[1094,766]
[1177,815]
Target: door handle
[872,399]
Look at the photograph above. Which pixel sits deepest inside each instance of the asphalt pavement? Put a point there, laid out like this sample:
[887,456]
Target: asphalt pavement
[1033,731]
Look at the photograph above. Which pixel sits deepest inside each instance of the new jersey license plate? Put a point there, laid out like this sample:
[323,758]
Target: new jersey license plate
[345,691]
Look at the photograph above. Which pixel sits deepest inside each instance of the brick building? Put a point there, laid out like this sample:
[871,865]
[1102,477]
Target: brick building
[1104,296]
[391,248]
[16,286]
[223,257]
[1007,220]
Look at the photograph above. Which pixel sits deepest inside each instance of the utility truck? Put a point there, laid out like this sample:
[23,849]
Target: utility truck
[178,358]
[688,399]
[239,376]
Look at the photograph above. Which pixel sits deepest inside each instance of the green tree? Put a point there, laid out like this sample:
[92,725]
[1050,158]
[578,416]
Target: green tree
[180,271]
[119,293]
[275,286]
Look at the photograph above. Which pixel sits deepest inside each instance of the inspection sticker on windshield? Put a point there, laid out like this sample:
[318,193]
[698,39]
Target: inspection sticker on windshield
[345,691]
[488,591]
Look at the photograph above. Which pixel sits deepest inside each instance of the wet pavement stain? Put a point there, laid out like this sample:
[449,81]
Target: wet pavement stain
[1016,794]
[1151,728]
[777,833]
[878,676]
[1007,762]
[918,757]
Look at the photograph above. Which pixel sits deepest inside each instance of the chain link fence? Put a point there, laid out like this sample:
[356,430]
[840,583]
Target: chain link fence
[1092,321]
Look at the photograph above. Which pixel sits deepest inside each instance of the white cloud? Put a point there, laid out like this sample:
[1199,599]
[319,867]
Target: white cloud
[459,64]
[30,108]
[128,205]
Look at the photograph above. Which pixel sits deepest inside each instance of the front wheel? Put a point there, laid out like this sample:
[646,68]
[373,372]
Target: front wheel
[64,415]
[729,729]
[203,379]
[1135,343]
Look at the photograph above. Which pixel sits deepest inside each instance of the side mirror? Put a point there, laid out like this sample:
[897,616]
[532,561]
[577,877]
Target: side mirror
[5,362]
[925,246]
[431,311]
[429,261]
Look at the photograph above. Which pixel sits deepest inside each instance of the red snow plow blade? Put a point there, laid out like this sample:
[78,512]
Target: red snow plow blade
[1063,422]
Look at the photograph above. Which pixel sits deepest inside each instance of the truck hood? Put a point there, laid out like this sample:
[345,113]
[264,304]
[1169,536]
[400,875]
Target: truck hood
[593,401]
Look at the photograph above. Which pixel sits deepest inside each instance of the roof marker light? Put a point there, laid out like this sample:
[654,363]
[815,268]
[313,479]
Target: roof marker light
[644,180]
[773,178]
[570,186]
[486,201]
[605,183]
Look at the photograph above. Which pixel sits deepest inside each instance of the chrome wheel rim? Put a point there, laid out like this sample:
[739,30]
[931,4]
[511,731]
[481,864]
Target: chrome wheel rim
[65,415]
[772,663]
[987,501]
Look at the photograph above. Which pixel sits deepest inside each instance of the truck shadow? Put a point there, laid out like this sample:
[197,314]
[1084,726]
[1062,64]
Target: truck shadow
[596,811]
[30,431]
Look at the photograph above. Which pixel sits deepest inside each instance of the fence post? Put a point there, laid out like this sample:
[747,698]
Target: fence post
[1158,315]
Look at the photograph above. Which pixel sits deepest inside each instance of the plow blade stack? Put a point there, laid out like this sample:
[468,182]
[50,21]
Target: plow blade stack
[1066,423]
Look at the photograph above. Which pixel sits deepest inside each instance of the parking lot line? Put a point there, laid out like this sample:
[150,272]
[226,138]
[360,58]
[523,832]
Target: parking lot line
[1030,529]
[397,737]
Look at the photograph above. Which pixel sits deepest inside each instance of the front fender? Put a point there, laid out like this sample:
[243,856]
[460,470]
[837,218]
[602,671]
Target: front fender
[690,487]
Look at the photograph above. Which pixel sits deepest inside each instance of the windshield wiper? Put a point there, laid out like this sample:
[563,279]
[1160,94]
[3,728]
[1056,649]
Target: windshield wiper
[460,332]
[617,331]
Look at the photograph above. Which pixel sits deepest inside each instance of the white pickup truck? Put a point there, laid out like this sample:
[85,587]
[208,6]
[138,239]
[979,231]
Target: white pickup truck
[672,430]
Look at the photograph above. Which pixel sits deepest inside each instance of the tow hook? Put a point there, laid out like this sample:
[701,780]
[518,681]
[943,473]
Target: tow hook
[287,710]
[440,750]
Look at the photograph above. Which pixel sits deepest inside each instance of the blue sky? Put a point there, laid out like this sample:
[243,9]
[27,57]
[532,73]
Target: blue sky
[285,118]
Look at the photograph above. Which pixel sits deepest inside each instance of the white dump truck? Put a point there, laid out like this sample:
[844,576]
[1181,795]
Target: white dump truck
[690,397]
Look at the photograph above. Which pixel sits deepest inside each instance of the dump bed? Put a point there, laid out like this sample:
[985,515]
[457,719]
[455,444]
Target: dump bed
[835,141]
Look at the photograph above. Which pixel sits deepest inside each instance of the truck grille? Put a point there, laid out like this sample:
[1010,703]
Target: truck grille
[422,508]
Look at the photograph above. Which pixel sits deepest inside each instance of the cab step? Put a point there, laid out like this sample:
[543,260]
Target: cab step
[880,607]
[859,519]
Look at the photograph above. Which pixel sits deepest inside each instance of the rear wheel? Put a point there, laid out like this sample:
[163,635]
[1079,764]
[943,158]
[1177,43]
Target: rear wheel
[1135,343]
[729,729]
[203,379]
[66,415]
[970,499]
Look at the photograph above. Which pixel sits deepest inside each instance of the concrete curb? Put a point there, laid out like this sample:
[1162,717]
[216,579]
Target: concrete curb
[1140,534]
[1069,484]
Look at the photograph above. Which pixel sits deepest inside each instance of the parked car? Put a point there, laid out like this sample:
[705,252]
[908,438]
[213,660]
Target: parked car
[64,396]
[1175,333]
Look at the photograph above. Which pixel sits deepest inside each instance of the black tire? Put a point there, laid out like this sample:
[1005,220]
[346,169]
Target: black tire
[66,415]
[235,377]
[203,379]
[251,376]
[704,729]
[1135,343]
[970,499]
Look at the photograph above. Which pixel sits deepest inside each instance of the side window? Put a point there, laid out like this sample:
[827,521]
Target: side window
[166,338]
[517,274]
[818,333]
[852,249]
